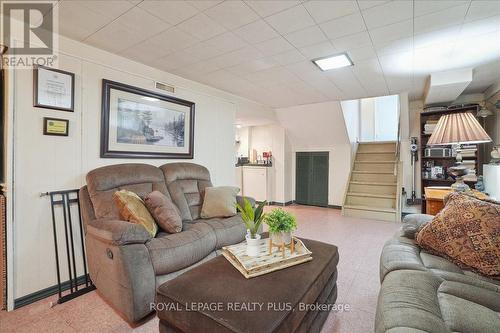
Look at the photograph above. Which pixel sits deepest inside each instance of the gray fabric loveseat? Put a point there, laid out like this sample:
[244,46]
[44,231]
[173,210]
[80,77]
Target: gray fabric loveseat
[422,292]
[125,263]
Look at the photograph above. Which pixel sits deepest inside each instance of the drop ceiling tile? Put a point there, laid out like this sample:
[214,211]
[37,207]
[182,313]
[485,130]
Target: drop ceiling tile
[365,4]
[234,58]
[479,27]
[362,53]
[451,16]
[146,51]
[112,8]
[171,11]
[141,21]
[437,37]
[390,32]
[423,7]
[174,39]
[323,11]
[252,66]
[394,46]
[203,51]
[306,70]
[232,14]
[288,57]
[388,13]
[269,7]
[318,50]
[272,76]
[226,42]
[78,22]
[204,4]
[352,41]
[326,87]
[290,20]
[201,26]
[346,25]
[114,38]
[305,37]
[256,32]
[274,46]
[176,60]
[482,9]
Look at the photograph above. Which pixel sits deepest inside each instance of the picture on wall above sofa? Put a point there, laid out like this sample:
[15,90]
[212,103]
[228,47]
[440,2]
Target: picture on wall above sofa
[138,123]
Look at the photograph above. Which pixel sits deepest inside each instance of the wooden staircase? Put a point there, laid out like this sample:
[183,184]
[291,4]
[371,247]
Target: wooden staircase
[373,192]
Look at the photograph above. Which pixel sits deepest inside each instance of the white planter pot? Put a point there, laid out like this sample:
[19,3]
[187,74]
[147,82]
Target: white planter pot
[253,245]
[281,237]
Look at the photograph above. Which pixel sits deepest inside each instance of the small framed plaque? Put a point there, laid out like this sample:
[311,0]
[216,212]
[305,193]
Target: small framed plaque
[55,126]
[53,89]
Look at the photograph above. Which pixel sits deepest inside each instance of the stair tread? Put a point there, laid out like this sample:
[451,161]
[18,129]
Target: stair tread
[372,208]
[356,182]
[372,195]
[376,152]
[373,172]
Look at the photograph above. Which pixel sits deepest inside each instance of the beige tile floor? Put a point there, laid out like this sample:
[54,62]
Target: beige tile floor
[359,241]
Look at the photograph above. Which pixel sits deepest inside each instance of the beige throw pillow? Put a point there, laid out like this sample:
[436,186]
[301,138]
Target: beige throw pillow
[132,209]
[219,202]
[164,212]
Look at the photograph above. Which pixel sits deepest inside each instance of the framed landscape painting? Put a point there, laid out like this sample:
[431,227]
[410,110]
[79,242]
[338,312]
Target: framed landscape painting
[138,123]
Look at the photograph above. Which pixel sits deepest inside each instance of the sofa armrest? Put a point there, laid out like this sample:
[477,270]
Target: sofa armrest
[118,232]
[239,200]
[412,224]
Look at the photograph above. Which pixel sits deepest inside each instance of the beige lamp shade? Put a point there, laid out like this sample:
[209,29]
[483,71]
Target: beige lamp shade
[458,128]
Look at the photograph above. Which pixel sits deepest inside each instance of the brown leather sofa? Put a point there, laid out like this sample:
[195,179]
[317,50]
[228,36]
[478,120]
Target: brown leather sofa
[125,263]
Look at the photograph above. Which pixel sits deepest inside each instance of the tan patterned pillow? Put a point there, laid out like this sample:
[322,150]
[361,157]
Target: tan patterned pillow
[466,231]
[132,209]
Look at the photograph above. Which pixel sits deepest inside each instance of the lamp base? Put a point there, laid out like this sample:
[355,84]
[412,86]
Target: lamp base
[459,185]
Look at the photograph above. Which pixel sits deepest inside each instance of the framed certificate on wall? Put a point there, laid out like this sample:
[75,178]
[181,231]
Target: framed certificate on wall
[53,89]
[55,126]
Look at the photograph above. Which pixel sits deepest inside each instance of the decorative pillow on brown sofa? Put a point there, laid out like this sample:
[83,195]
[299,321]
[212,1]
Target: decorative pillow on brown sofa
[219,202]
[164,212]
[467,231]
[132,209]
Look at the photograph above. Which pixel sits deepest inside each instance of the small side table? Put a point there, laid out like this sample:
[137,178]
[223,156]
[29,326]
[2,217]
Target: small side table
[434,198]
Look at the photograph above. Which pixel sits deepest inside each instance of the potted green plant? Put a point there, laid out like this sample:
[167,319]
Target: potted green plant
[281,224]
[253,219]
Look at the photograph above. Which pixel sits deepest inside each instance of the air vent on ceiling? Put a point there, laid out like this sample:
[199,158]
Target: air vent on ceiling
[165,87]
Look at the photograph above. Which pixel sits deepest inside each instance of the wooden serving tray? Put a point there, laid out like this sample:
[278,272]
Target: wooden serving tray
[265,263]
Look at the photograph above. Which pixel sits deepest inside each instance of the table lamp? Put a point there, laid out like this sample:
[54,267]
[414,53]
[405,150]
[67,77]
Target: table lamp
[457,129]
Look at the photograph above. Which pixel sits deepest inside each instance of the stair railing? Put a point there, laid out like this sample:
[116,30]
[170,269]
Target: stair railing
[398,166]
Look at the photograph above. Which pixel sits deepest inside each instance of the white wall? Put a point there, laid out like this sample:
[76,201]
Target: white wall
[46,163]
[242,134]
[351,111]
[318,127]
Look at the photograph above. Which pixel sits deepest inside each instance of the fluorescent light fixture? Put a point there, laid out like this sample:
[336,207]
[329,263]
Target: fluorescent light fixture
[333,61]
[151,99]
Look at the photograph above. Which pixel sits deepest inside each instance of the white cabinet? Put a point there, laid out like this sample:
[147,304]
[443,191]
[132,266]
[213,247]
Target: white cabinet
[491,177]
[257,181]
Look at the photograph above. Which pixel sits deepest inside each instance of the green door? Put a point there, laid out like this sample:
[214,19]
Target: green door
[311,178]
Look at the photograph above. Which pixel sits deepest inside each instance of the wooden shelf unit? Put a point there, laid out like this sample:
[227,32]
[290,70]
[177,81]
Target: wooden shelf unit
[445,162]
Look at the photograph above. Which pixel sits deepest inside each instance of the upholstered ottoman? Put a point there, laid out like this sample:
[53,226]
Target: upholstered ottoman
[215,297]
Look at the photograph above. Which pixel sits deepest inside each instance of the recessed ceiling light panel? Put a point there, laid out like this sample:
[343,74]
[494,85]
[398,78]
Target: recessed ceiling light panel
[333,62]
